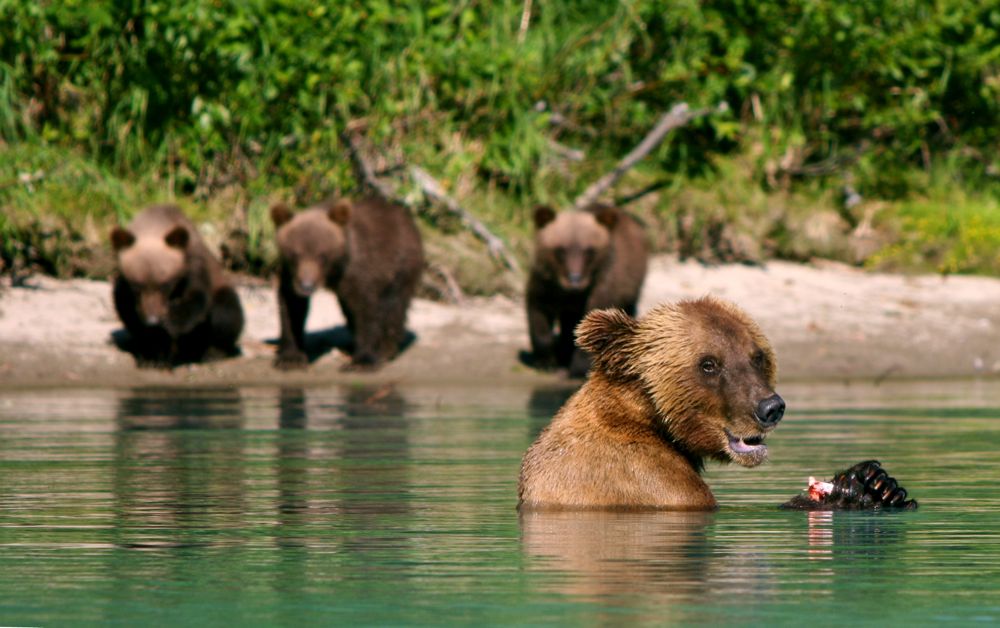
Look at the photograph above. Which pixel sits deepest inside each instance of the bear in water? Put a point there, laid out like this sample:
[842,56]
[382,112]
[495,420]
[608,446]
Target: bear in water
[369,253]
[171,293]
[584,260]
[687,381]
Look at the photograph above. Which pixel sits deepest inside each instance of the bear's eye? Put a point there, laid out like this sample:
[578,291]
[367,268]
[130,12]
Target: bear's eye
[759,360]
[560,253]
[709,366]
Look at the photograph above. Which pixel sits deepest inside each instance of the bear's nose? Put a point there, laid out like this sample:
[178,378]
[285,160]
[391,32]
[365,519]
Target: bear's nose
[770,410]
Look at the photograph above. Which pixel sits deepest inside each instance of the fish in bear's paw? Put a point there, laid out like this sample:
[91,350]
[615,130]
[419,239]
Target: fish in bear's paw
[865,486]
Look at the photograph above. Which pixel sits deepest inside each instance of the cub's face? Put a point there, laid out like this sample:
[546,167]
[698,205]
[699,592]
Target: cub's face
[571,246]
[312,243]
[155,269]
[708,369]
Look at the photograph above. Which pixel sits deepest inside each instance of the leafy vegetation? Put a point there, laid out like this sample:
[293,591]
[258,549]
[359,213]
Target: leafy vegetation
[226,106]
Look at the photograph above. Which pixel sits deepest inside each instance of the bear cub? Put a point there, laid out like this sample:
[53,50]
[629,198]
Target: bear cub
[369,253]
[686,382]
[171,293]
[584,260]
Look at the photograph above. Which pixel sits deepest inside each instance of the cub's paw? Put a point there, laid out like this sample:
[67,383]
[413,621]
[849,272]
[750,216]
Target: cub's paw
[291,360]
[154,362]
[362,363]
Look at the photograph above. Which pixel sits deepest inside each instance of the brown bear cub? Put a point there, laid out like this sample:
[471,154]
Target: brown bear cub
[369,252]
[171,293]
[584,260]
[687,381]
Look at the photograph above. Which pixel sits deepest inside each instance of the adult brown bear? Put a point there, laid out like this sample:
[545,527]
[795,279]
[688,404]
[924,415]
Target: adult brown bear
[369,252]
[687,381]
[171,293]
[584,260]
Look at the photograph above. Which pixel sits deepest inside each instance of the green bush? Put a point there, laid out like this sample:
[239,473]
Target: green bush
[191,96]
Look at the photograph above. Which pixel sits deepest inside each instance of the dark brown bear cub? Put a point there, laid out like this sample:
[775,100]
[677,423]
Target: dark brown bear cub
[685,382]
[171,293]
[584,260]
[369,253]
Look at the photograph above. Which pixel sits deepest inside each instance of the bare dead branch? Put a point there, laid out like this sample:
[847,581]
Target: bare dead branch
[522,31]
[449,290]
[364,168]
[435,193]
[679,115]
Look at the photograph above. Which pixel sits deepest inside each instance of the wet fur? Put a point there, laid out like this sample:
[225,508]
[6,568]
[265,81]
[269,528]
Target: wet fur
[614,279]
[636,434]
[203,316]
[370,254]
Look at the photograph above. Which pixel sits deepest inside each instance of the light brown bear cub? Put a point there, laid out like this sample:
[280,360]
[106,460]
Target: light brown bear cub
[171,293]
[369,252]
[584,260]
[687,381]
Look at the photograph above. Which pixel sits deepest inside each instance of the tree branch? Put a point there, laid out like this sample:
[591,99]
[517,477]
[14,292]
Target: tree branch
[678,116]
[364,168]
[434,192]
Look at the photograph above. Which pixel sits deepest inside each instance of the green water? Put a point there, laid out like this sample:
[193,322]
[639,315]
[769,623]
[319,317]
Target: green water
[396,506]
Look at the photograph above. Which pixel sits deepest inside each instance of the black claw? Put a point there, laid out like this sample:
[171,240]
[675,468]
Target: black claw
[864,486]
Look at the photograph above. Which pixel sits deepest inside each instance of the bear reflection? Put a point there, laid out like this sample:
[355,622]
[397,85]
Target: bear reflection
[179,464]
[342,453]
[663,554]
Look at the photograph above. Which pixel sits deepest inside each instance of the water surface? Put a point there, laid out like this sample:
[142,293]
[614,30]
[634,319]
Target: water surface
[396,506]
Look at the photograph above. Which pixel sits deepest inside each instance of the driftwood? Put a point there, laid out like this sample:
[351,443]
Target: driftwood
[355,146]
[448,290]
[432,191]
[679,115]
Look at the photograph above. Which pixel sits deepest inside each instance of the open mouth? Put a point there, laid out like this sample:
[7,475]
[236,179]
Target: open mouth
[747,444]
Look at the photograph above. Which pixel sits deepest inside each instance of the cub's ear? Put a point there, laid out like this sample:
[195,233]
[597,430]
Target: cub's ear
[606,215]
[340,212]
[178,238]
[544,215]
[280,214]
[121,239]
[608,336]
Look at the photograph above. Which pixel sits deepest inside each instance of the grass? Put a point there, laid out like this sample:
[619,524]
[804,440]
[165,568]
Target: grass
[57,222]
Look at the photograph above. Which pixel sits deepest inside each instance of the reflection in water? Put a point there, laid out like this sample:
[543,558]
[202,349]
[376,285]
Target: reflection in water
[666,556]
[396,507]
[179,464]
[544,402]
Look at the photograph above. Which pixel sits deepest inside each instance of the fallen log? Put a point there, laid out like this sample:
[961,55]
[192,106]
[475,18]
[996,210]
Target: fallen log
[679,115]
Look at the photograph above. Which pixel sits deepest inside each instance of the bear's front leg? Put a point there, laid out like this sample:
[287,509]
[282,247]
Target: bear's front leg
[226,321]
[543,338]
[153,348]
[579,365]
[294,309]
[367,354]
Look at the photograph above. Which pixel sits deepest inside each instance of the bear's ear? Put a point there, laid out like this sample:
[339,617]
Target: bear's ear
[607,216]
[340,212]
[121,239]
[280,214]
[607,335]
[543,216]
[178,238]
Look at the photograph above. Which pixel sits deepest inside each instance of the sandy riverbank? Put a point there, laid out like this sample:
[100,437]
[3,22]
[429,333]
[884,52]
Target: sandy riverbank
[826,321]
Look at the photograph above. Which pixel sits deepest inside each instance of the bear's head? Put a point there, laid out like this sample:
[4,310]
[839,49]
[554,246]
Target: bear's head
[154,267]
[312,242]
[705,366]
[571,246]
